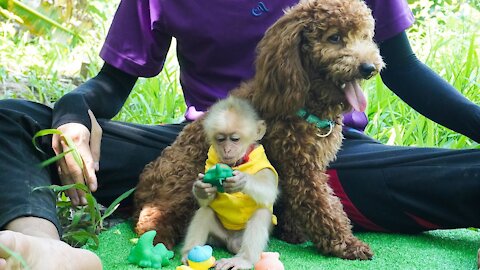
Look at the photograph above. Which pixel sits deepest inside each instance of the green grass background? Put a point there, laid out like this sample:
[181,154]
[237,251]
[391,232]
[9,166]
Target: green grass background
[441,249]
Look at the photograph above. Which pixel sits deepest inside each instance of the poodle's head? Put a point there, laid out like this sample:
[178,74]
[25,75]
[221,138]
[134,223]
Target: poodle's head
[319,50]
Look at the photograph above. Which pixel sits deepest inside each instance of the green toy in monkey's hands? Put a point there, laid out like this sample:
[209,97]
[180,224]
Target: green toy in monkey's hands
[217,174]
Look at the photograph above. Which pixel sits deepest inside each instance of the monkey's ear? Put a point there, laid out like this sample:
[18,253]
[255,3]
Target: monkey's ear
[261,129]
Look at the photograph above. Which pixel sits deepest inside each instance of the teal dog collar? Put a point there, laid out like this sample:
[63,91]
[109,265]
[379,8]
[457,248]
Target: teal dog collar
[320,123]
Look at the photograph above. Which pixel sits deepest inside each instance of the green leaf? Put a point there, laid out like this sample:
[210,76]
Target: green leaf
[82,237]
[54,159]
[113,206]
[64,204]
[37,22]
[93,209]
[57,188]
[75,154]
[42,133]
[68,141]
[77,216]
[4,4]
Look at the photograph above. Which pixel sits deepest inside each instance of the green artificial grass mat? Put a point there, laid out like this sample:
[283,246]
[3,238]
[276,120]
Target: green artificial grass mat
[442,249]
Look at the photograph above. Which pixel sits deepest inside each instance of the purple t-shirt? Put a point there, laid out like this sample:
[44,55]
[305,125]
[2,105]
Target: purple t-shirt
[216,41]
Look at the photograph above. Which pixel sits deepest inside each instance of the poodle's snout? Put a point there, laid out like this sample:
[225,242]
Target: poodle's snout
[367,70]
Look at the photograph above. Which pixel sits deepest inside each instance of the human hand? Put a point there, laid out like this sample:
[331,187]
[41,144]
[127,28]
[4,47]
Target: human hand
[237,182]
[88,146]
[202,190]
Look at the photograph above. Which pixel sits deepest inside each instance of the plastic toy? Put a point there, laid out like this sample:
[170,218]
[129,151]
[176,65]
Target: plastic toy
[217,174]
[269,261]
[183,267]
[199,258]
[144,254]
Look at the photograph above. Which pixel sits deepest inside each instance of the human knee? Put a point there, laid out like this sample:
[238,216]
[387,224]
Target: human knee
[13,104]
[25,114]
[24,107]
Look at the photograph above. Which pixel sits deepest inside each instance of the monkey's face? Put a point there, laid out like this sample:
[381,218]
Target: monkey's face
[231,147]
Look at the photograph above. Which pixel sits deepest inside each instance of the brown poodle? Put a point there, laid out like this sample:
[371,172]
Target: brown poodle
[311,59]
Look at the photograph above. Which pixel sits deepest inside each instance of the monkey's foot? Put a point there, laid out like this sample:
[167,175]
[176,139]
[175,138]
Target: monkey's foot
[43,253]
[234,244]
[235,263]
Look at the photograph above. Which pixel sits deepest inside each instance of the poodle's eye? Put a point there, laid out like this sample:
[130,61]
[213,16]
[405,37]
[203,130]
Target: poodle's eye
[334,39]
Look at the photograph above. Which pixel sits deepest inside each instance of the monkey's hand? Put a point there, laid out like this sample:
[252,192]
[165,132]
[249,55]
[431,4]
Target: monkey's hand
[237,182]
[203,192]
[261,186]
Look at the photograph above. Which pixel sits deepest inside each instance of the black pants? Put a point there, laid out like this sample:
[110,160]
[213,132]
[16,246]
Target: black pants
[383,188]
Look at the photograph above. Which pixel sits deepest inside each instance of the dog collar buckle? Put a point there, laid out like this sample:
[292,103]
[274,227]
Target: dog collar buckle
[319,123]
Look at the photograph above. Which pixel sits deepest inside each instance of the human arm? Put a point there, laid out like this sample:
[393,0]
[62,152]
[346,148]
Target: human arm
[104,95]
[136,46]
[75,116]
[261,186]
[426,91]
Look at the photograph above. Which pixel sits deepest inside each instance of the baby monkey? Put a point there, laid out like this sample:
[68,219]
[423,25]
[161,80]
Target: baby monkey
[241,218]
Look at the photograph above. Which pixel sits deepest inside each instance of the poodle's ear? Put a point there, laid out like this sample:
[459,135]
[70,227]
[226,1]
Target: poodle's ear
[280,80]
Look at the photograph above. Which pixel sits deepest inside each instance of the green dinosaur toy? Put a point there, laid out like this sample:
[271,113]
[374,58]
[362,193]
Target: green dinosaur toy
[217,174]
[144,254]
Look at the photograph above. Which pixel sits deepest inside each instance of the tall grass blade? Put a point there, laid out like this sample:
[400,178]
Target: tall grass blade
[93,208]
[82,237]
[54,159]
[42,133]
[115,203]
[75,153]
[57,188]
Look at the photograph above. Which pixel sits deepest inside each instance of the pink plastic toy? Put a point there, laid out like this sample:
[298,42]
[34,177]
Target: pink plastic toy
[269,261]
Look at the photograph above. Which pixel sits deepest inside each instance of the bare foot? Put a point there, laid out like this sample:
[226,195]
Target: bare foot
[235,263]
[44,253]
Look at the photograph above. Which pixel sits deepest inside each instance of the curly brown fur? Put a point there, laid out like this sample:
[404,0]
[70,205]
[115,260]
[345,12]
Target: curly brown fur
[298,66]
[163,197]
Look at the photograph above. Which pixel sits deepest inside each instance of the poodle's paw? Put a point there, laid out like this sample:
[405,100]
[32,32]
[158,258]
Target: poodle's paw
[356,250]
[235,263]
[160,222]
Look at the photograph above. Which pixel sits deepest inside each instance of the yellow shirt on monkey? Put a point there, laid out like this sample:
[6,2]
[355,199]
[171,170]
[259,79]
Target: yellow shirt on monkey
[235,209]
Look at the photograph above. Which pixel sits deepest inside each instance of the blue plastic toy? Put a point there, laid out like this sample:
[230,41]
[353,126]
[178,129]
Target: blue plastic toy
[199,258]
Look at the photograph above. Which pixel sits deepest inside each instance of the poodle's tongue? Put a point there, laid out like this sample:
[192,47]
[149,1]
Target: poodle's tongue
[355,97]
